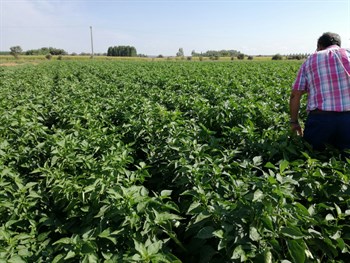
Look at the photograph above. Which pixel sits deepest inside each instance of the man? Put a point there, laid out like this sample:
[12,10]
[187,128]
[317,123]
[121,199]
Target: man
[325,77]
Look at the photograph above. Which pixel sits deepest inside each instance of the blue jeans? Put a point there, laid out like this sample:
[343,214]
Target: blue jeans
[332,128]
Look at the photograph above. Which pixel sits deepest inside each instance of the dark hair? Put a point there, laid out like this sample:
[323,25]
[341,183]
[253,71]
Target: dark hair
[329,39]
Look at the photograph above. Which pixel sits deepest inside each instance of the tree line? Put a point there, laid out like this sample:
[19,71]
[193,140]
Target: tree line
[17,50]
[220,53]
[130,51]
[122,51]
[46,50]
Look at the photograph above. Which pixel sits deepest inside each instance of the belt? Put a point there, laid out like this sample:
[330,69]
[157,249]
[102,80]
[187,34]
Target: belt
[317,111]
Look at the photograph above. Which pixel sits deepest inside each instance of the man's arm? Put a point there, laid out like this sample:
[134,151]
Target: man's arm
[294,105]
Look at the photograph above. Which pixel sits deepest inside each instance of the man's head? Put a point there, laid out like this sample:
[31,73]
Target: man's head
[328,39]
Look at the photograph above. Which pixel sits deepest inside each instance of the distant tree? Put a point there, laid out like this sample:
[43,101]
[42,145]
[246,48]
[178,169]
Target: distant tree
[122,51]
[30,52]
[250,57]
[240,56]
[220,53]
[160,56]
[48,56]
[225,53]
[297,56]
[57,51]
[16,51]
[110,51]
[46,50]
[180,53]
[277,57]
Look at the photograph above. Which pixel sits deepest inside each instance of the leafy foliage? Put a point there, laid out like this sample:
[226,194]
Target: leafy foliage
[15,51]
[122,51]
[277,57]
[46,51]
[163,162]
[215,53]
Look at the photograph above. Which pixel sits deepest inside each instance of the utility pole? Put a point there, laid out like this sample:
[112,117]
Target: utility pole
[92,44]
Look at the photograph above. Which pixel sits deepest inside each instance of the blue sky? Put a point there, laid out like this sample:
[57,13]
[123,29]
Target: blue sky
[258,27]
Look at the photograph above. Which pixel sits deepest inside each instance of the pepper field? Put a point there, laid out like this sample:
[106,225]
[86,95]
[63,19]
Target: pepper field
[172,161]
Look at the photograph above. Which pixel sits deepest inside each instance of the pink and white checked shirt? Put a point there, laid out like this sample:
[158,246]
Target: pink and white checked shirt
[325,75]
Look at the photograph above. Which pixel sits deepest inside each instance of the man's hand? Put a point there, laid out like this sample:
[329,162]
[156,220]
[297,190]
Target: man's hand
[295,128]
[294,105]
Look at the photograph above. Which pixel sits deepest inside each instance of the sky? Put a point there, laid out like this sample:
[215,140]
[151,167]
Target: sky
[161,27]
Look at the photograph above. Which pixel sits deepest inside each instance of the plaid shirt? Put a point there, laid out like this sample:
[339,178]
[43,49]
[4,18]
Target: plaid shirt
[325,75]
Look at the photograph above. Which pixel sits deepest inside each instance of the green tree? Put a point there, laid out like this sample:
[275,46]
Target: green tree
[16,51]
[277,57]
[220,53]
[46,50]
[110,51]
[122,51]
[240,56]
[57,51]
[180,53]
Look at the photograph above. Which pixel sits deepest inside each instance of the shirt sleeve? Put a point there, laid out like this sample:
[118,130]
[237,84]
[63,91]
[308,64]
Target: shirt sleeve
[300,82]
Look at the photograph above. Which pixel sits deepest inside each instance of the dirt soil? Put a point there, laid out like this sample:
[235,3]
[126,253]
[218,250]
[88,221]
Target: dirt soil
[12,64]
[8,64]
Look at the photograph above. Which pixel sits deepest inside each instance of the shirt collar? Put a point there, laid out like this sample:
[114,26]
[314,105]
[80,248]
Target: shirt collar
[333,47]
